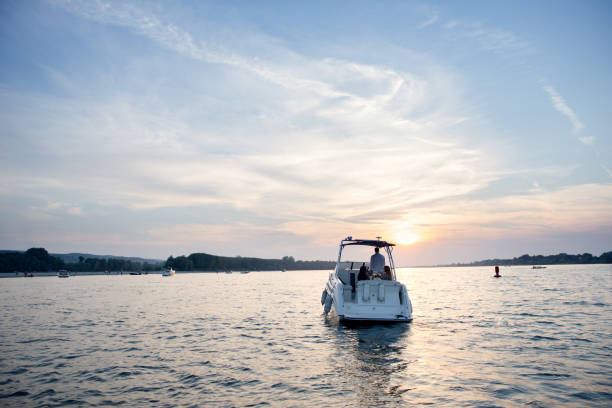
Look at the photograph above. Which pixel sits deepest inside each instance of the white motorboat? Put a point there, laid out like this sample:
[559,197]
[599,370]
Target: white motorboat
[168,272]
[357,293]
[62,273]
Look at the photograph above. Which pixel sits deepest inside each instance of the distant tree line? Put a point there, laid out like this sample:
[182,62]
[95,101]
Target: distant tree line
[559,259]
[111,264]
[39,260]
[207,262]
[32,260]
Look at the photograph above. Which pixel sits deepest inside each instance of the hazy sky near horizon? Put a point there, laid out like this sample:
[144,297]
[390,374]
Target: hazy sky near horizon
[461,130]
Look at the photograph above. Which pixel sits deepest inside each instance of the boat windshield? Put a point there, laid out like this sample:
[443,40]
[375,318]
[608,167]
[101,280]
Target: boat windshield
[353,257]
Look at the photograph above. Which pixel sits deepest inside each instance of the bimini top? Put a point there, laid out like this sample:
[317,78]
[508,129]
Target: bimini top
[367,242]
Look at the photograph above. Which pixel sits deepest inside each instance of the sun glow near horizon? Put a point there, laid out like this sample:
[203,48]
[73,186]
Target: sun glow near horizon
[404,234]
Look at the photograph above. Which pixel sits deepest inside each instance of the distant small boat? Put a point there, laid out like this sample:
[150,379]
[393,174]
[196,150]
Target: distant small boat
[135,273]
[63,274]
[244,272]
[538,267]
[168,272]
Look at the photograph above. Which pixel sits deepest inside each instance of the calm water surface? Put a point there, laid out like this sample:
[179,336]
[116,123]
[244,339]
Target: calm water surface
[537,337]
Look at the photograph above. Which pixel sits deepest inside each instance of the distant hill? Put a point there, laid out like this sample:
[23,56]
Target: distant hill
[559,259]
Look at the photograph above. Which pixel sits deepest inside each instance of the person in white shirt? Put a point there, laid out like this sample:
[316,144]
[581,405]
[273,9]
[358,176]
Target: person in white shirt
[377,262]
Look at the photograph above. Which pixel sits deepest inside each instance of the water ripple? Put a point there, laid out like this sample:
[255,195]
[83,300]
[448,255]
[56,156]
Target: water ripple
[261,339]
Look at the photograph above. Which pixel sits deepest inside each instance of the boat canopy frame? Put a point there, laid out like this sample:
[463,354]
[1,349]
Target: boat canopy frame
[388,246]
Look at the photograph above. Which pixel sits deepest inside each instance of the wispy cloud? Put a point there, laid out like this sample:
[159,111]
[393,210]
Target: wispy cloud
[572,208]
[561,105]
[432,16]
[376,106]
[505,43]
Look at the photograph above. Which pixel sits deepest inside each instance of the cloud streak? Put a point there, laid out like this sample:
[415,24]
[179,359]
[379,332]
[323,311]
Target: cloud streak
[432,17]
[562,107]
[504,43]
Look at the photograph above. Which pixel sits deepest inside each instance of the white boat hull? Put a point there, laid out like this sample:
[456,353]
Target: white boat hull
[170,272]
[368,301]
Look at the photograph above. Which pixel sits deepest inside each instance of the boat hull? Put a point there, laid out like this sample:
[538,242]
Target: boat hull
[365,315]
[168,272]
[373,320]
[376,301]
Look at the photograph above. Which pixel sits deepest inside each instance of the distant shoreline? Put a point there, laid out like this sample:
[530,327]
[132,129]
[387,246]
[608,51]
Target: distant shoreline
[534,260]
[40,261]
[500,264]
[20,274]
[51,274]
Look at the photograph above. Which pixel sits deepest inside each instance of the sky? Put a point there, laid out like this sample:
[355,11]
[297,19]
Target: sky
[460,131]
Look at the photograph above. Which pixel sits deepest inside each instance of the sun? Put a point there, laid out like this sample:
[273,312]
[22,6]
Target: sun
[405,235]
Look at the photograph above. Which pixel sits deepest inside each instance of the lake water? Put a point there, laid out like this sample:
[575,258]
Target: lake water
[534,337]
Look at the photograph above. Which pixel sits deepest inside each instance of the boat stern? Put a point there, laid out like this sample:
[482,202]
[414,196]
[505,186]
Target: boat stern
[377,300]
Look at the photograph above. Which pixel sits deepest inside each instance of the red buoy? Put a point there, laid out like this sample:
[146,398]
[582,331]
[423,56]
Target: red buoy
[497,275]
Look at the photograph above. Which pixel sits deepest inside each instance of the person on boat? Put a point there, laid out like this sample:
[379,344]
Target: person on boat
[387,275]
[377,262]
[363,273]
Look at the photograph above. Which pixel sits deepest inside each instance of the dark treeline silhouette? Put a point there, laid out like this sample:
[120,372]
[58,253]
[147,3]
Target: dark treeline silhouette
[39,260]
[32,260]
[206,262]
[111,264]
[559,259]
